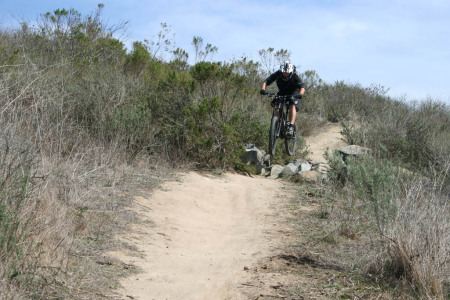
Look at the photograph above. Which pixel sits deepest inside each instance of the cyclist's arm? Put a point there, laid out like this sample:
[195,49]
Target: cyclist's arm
[269,80]
[300,84]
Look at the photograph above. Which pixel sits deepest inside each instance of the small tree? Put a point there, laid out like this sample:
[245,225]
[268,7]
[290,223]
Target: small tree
[270,58]
[200,53]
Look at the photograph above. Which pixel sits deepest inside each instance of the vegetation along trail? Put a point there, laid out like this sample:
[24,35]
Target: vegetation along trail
[201,235]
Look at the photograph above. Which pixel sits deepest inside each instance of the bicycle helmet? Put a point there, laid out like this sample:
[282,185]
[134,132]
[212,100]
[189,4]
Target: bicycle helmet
[287,67]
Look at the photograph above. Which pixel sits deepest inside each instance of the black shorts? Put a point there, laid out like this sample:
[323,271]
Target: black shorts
[291,101]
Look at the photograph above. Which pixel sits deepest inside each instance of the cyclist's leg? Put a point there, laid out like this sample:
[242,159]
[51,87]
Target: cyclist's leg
[292,114]
[293,109]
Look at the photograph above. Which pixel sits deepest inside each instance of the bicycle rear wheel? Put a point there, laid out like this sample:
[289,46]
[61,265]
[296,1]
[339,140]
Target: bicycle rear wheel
[273,134]
[290,143]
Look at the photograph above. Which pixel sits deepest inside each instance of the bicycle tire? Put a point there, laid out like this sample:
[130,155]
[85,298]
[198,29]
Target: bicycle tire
[273,134]
[290,143]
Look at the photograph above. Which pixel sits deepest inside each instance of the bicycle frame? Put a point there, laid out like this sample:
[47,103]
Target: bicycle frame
[283,111]
[278,126]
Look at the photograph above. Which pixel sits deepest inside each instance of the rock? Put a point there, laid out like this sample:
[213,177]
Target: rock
[259,169]
[289,170]
[252,156]
[298,162]
[302,164]
[263,172]
[353,151]
[275,171]
[305,167]
[309,176]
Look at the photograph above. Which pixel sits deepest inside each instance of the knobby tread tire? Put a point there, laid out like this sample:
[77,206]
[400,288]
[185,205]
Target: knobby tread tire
[274,129]
[290,143]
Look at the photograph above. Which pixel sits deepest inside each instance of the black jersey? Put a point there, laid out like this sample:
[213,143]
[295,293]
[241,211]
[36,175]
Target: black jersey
[286,87]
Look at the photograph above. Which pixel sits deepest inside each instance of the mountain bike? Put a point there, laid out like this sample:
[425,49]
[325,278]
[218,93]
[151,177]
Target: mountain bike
[279,126]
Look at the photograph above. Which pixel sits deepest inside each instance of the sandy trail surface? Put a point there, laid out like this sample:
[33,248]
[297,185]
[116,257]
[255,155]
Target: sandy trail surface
[201,234]
[329,137]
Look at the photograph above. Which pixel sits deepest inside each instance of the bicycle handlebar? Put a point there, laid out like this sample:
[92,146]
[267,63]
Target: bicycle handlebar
[286,97]
[270,95]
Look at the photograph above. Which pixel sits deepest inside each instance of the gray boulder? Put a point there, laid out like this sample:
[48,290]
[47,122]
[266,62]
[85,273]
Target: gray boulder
[275,171]
[354,151]
[254,156]
[302,164]
[298,162]
[289,169]
[305,167]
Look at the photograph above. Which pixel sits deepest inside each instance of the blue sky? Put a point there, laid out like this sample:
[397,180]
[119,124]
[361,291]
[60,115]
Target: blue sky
[403,45]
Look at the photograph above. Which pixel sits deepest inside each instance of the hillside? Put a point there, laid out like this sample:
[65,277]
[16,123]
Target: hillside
[91,131]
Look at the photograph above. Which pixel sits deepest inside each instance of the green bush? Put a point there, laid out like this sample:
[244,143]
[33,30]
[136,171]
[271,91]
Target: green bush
[405,216]
[376,183]
[213,143]
[414,136]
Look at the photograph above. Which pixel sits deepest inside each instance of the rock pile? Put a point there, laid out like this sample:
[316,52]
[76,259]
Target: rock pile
[304,169]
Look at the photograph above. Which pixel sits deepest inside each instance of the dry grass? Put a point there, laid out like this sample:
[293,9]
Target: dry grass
[324,256]
[406,258]
[59,214]
[420,241]
[402,225]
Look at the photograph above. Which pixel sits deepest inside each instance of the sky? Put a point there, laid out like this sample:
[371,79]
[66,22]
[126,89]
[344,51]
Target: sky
[400,45]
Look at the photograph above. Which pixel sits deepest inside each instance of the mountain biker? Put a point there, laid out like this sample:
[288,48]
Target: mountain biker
[289,84]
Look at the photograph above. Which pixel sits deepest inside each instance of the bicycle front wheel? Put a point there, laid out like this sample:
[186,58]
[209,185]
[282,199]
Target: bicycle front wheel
[273,134]
[290,143]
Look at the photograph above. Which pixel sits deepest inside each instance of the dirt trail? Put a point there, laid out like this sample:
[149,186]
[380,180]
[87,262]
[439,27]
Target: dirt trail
[201,235]
[330,136]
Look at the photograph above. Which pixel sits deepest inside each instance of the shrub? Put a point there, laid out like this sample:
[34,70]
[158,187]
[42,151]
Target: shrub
[215,143]
[406,218]
[414,136]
